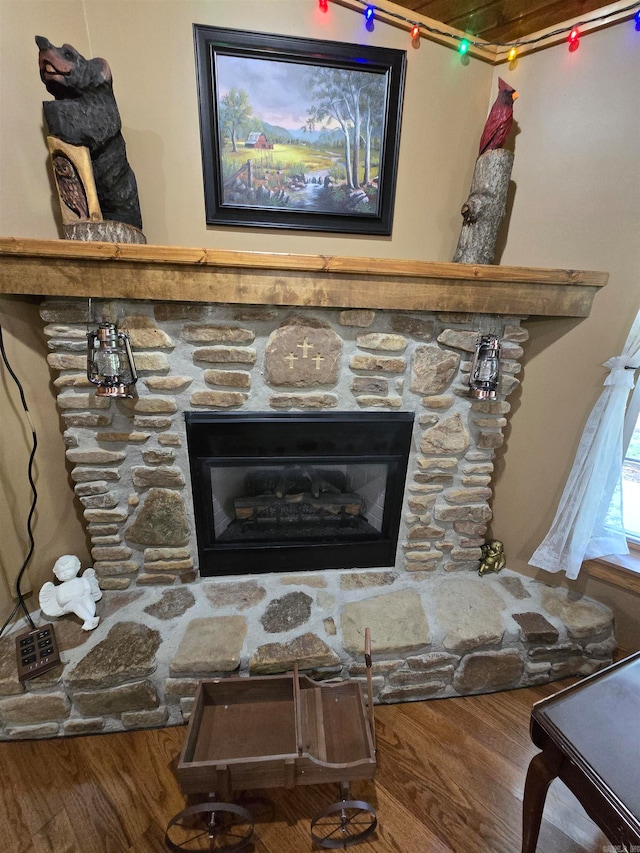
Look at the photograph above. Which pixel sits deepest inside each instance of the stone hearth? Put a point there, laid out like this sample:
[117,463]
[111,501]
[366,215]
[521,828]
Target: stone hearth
[438,629]
[443,636]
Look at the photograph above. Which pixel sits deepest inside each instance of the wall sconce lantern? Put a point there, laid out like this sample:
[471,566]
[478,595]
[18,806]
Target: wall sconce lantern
[485,368]
[110,363]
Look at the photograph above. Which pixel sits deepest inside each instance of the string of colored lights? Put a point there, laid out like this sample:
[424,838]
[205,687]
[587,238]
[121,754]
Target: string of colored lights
[465,42]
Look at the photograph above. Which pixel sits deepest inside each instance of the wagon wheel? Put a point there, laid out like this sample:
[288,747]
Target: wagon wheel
[343,824]
[220,827]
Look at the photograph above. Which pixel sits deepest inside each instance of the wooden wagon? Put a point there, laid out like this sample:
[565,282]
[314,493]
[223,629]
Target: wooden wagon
[274,732]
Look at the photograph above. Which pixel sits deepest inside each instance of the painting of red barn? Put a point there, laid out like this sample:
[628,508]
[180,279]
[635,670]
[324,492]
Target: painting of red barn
[258,140]
[298,133]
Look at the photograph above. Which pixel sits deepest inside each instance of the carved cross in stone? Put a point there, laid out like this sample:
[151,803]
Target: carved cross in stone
[305,346]
[302,353]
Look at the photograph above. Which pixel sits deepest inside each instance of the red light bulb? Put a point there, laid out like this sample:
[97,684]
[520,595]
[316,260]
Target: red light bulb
[415,32]
[323,5]
[574,39]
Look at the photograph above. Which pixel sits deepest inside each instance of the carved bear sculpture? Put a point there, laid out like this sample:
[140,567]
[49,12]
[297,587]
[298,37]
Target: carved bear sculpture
[85,113]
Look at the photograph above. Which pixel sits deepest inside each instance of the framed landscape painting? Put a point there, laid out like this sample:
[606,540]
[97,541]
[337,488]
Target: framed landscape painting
[298,133]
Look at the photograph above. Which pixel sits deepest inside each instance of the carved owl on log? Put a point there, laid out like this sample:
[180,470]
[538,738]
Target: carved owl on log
[70,186]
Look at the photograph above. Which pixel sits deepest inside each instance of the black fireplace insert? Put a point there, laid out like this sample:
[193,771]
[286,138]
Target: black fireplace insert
[277,492]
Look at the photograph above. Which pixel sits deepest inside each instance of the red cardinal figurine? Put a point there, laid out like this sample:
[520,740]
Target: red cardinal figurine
[500,118]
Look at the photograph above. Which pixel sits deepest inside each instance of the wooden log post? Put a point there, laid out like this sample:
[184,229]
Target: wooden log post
[485,207]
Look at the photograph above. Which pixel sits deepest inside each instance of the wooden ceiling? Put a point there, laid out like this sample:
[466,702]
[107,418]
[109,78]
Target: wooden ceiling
[501,20]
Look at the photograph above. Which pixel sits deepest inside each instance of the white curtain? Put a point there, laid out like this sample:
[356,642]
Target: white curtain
[587,524]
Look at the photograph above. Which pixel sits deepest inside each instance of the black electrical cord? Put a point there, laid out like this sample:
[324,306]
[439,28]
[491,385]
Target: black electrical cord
[20,602]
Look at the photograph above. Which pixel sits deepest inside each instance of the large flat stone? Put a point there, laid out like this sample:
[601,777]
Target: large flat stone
[381,341]
[303,401]
[536,628]
[171,604]
[411,693]
[363,580]
[239,595]
[225,355]
[422,330]
[42,730]
[469,611]
[210,645]
[216,333]
[163,475]
[433,369]
[485,671]
[582,617]
[161,520]
[362,317]
[146,335]
[137,696]
[219,399]
[397,620]
[127,653]
[288,612]
[308,651]
[448,436]
[168,383]
[301,353]
[513,585]
[9,684]
[34,708]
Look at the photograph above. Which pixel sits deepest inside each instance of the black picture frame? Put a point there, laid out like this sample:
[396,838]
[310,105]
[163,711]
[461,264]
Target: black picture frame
[305,181]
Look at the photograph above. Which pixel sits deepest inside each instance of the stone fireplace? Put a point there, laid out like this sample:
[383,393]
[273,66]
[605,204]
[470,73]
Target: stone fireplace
[130,458]
[173,613]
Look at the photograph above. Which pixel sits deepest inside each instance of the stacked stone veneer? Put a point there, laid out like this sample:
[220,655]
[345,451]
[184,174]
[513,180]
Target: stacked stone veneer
[438,629]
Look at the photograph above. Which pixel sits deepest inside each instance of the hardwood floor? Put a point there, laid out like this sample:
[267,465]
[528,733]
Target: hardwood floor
[450,777]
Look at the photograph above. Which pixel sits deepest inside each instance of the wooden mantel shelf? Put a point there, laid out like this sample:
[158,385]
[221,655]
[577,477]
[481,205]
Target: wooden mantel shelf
[169,273]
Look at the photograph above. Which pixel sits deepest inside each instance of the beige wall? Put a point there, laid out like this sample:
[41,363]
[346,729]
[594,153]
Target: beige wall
[26,207]
[56,522]
[576,199]
[577,203]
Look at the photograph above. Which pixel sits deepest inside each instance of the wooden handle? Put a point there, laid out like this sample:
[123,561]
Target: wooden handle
[297,708]
[367,660]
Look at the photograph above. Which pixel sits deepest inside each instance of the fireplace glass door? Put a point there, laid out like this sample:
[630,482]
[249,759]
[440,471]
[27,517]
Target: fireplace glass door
[290,492]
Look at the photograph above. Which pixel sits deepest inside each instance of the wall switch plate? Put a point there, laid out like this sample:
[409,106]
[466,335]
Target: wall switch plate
[37,652]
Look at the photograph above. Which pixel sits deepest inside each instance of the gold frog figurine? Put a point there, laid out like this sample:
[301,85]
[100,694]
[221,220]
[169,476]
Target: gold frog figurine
[493,558]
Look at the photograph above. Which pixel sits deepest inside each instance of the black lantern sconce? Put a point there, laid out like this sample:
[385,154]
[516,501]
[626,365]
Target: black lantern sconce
[485,368]
[110,363]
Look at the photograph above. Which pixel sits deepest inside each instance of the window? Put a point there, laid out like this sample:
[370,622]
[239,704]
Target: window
[631,488]
[589,522]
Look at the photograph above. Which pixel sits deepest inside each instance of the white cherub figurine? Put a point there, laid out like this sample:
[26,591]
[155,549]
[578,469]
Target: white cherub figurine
[74,594]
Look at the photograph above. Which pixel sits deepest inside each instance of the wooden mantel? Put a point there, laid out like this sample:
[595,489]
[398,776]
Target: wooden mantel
[169,273]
